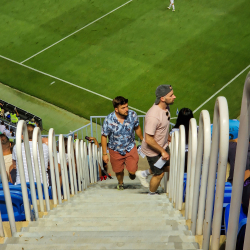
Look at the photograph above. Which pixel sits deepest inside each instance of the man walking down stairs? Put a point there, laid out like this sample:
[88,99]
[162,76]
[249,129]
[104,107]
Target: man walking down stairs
[104,218]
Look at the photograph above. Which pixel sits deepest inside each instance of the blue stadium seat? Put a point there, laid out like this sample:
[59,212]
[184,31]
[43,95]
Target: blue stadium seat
[17,188]
[18,208]
[50,191]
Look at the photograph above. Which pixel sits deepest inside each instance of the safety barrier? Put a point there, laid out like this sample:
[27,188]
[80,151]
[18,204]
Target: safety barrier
[65,180]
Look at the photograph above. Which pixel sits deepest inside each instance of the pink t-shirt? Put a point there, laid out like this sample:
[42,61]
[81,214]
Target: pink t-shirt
[156,124]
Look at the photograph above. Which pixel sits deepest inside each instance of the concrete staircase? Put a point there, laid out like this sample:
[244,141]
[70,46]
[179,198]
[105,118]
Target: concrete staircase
[104,218]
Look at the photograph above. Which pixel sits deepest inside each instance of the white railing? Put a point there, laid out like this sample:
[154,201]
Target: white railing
[78,174]
[240,167]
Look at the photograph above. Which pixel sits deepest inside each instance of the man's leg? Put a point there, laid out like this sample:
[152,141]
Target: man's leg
[119,177]
[156,180]
[131,162]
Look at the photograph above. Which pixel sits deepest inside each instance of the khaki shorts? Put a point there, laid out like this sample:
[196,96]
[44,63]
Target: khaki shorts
[130,160]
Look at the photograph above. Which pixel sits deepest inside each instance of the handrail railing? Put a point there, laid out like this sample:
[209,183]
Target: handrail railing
[240,167]
[220,141]
[200,181]
[22,130]
[6,190]
[192,151]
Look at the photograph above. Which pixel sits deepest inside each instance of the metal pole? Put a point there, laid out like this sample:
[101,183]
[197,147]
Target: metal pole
[7,196]
[20,129]
[44,175]
[1,225]
[192,155]
[206,127]
[197,176]
[181,165]
[70,165]
[78,163]
[52,169]
[220,135]
[240,167]
[91,122]
[35,148]
[86,164]
[176,137]
[91,170]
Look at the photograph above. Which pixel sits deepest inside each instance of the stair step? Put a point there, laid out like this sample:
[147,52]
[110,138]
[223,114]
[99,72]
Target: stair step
[116,245]
[104,234]
[74,239]
[104,228]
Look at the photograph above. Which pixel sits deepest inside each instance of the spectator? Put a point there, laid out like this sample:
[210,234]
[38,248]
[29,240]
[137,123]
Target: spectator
[231,159]
[7,131]
[1,109]
[15,162]
[7,155]
[2,127]
[75,137]
[183,118]
[14,116]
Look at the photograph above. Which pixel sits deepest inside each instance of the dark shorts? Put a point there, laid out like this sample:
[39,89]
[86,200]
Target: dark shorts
[154,159]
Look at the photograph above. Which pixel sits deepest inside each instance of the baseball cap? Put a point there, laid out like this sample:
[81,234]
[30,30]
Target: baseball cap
[161,91]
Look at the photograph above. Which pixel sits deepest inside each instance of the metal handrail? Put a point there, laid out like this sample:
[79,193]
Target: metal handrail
[91,168]
[180,167]
[22,130]
[220,141]
[36,144]
[63,166]
[192,151]
[71,166]
[7,196]
[54,168]
[240,167]
[203,152]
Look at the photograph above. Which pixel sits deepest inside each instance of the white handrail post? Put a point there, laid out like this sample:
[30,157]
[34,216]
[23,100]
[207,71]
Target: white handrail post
[35,147]
[181,165]
[44,175]
[176,144]
[71,159]
[220,137]
[22,129]
[7,196]
[52,168]
[64,172]
[170,192]
[86,165]
[78,164]
[95,162]
[206,129]
[192,150]
[240,167]
[91,170]
[197,174]
[83,176]
[1,224]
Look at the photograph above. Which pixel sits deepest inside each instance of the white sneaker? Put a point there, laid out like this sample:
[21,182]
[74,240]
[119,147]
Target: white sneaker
[142,178]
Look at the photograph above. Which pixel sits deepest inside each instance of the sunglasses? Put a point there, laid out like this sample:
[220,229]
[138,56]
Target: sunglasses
[168,115]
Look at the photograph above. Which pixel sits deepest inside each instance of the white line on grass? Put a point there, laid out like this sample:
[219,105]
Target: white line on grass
[72,84]
[52,83]
[76,31]
[221,88]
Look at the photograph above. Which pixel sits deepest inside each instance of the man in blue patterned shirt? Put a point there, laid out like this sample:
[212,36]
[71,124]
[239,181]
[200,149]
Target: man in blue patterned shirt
[119,127]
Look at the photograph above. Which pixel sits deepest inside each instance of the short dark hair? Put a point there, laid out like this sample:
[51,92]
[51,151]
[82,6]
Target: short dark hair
[30,128]
[119,100]
[2,122]
[5,141]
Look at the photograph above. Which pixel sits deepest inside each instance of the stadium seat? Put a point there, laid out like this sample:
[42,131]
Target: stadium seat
[18,207]
[50,190]
[17,188]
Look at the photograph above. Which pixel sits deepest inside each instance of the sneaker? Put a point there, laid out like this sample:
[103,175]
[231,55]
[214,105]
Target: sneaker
[169,8]
[120,186]
[131,176]
[173,10]
[142,179]
[153,193]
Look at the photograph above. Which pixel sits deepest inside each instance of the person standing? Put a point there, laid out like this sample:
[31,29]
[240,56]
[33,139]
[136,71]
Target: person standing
[155,142]
[171,5]
[119,127]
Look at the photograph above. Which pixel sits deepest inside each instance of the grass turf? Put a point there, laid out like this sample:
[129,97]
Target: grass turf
[197,49]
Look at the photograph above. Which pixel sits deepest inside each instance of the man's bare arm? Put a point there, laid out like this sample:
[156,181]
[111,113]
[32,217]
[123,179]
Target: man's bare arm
[139,132]
[149,139]
[104,149]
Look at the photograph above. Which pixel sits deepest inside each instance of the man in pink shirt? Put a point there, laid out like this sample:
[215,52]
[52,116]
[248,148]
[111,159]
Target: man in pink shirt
[155,142]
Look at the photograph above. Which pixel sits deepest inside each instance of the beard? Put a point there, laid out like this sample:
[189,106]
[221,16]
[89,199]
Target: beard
[124,115]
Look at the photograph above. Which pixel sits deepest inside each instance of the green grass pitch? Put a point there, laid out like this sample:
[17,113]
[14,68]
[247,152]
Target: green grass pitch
[197,49]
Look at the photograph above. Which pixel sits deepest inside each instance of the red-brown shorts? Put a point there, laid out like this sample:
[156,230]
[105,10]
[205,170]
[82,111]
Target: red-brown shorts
[130,159]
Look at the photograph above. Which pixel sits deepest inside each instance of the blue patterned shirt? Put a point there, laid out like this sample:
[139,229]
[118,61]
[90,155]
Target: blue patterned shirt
[121,136]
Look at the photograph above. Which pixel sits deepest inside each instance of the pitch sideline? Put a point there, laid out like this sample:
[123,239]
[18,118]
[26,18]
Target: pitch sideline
[70,83]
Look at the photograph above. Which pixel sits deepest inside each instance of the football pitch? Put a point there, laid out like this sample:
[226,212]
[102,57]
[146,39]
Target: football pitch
[80,54]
